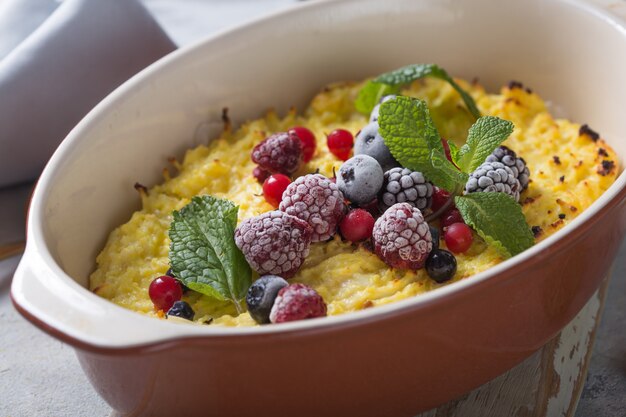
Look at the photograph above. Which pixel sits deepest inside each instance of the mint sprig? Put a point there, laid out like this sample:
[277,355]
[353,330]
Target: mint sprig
[498,219]
[391,83]
[372,93]
[454,152]
[448,176]
[410,134]
[483,137]
[203,254]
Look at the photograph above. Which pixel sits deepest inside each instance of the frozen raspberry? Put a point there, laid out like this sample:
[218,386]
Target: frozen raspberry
[281,152]
[402,237]
[316,200]
[509,158]
[260,174]
[494,177]
[274,243]
[297,302]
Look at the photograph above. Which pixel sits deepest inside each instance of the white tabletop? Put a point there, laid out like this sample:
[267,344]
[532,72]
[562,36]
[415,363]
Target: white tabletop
[40,376]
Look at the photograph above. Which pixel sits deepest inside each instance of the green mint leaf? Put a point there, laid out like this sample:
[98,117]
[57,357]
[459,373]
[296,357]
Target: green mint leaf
[448,176]
[407,75]
[370,95]
[410,134]
[203,254]
[454,152]
[410,73]
[498,219]
[484,136]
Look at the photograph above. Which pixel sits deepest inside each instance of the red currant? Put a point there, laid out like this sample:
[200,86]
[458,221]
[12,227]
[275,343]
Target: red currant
[260,174]
[440,197]
[372,208]
[450,217]
[340,143]
[357,225]
[274,187]
[458,237]
[308,141]
[164,291]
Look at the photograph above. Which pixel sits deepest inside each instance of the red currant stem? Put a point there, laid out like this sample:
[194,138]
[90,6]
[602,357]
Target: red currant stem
[442,209]
[445,206]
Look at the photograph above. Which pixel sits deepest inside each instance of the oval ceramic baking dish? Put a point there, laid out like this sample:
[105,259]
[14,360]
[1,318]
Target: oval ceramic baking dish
[394,360]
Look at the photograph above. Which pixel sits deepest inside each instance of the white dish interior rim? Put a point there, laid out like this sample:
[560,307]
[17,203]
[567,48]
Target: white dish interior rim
[37,251]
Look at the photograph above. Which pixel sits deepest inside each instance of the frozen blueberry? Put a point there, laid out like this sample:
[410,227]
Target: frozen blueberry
[370,142]
[181,309]
[440,265]
[376,109]
[261,296]
[360,179]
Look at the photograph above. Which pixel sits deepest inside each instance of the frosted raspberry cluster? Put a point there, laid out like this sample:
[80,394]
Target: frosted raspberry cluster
[316,200]
[402,237]
[274,243]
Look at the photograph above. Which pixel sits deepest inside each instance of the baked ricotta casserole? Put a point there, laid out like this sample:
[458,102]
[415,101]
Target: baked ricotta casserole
[378,191]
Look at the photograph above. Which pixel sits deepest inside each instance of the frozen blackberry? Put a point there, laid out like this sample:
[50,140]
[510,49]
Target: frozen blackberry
[402,237]
[494,177]
[360,179]
[274,243]
[376,109]
[281,152]
[370,142]
[509,158]
[401,185]
[316,200]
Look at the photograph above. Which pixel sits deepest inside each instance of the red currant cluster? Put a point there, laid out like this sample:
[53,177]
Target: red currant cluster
[275,175]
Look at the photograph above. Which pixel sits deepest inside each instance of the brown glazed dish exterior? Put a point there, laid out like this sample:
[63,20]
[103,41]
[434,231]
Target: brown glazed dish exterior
[373,367]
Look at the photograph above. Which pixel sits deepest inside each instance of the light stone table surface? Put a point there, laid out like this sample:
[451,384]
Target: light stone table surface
[40,376]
